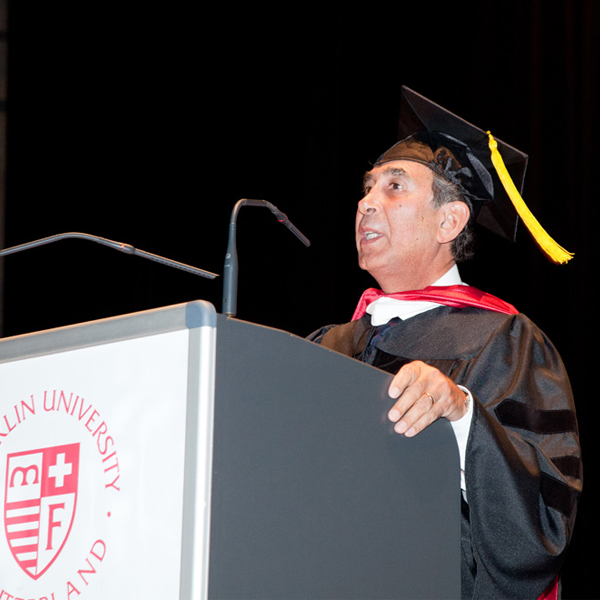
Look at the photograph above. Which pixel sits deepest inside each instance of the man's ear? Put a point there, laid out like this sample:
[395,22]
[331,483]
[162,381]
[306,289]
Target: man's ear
[455,216]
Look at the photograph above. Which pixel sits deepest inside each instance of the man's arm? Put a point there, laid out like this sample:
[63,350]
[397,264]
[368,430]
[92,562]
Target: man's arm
[522,463]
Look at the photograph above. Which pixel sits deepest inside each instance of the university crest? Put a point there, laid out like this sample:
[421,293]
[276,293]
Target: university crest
[39,504]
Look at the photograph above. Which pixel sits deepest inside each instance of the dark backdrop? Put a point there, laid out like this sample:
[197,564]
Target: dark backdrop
[146,123]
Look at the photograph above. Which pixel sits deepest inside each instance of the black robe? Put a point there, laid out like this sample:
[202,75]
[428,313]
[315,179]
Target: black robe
[522,468]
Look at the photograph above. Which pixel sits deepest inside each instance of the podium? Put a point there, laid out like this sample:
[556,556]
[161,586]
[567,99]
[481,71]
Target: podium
[177,453]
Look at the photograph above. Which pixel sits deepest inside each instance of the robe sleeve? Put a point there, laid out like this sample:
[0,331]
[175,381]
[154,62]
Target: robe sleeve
[523,469]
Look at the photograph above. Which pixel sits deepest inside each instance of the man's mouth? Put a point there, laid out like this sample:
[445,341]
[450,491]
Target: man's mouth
[370,235]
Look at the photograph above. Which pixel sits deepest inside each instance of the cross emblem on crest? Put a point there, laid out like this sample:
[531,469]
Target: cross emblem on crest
[60,470]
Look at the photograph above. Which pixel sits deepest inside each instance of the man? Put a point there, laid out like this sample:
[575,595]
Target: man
[463,355]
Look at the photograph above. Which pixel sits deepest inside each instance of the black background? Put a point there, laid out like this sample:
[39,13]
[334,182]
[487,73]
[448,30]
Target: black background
[145,124]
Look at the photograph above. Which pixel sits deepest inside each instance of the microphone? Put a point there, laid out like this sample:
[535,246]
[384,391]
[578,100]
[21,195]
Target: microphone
[230,272]
[126,248]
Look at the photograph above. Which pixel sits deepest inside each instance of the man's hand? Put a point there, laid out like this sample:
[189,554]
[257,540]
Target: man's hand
[424,395]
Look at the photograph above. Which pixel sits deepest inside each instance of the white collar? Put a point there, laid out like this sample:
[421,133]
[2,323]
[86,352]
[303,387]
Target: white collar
[384,309]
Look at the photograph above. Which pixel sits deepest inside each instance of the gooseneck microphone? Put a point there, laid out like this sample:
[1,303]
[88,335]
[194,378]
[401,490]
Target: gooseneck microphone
[230,272]
[126,248]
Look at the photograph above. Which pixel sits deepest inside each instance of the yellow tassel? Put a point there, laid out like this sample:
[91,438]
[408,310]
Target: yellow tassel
[553,250]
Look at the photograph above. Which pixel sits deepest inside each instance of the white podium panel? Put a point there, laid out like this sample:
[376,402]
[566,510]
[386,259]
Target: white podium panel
[98,428]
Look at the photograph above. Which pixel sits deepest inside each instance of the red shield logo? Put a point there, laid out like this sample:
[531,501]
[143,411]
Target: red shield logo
[39,504]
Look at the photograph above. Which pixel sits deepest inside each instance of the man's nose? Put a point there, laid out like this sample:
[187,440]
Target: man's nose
[368,204]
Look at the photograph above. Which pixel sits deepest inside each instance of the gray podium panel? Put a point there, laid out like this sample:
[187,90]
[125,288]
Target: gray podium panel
[313,495]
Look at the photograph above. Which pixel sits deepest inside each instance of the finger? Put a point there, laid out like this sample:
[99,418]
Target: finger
[423,407]
[422,422]
[408,386]
[407,375]
[411,396]
[452,406]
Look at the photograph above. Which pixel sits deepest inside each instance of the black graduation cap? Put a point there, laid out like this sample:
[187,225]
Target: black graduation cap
[489,172]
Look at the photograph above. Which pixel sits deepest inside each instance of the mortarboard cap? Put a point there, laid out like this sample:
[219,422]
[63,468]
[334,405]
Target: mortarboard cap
[489,172]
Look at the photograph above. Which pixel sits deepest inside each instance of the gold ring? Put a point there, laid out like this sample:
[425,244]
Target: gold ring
[431,397]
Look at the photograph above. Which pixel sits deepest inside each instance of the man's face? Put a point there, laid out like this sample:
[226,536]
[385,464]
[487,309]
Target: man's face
[396,223]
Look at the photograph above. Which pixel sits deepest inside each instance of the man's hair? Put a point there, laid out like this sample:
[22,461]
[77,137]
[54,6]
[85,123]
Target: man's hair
[444,192]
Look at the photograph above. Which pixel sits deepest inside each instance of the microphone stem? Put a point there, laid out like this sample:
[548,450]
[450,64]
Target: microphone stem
[230,269]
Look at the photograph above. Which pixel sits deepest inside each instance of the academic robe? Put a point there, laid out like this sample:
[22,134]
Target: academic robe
[523,469]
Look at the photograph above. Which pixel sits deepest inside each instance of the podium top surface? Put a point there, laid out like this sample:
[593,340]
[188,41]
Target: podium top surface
[190,315]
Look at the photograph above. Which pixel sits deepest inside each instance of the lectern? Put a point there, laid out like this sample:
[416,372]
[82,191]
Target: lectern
[177,453]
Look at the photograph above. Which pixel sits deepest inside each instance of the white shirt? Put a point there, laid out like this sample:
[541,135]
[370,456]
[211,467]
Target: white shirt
[384,309]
